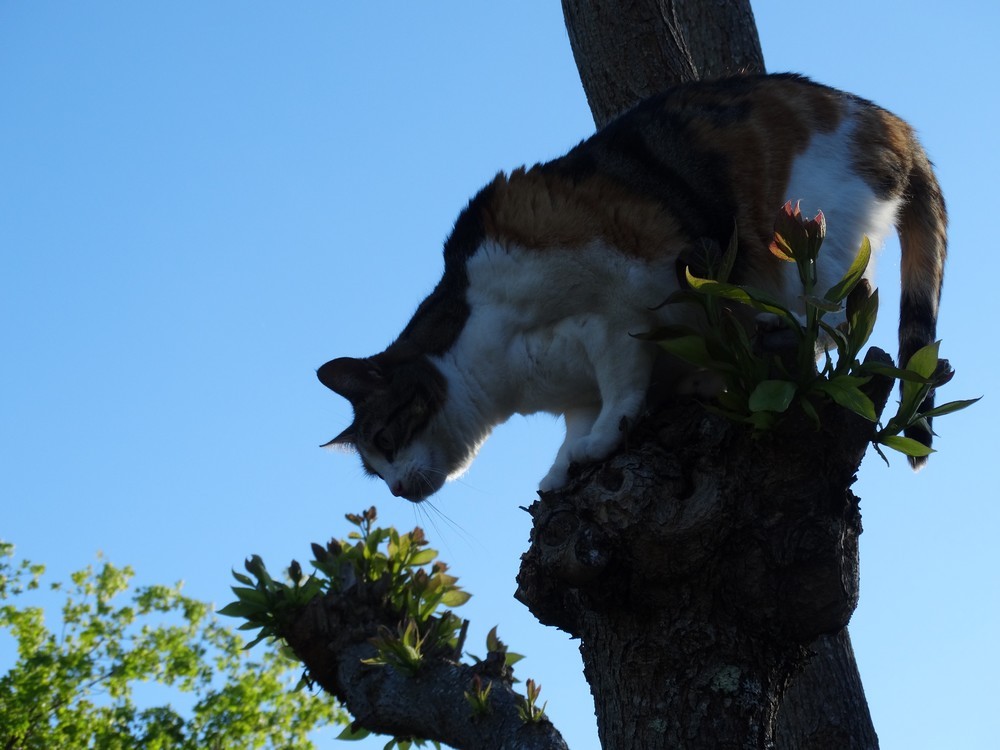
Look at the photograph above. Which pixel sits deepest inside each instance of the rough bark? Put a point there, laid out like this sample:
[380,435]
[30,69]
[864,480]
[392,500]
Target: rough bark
[332,635]
[825,707]
[627,53]
[696,567]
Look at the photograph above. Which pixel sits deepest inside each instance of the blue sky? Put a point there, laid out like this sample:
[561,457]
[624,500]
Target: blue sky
[202,202]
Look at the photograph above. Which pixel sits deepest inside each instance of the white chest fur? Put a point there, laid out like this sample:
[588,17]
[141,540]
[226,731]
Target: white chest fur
[548,331]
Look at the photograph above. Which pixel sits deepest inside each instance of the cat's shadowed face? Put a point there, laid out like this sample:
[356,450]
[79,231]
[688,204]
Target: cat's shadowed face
[393,431]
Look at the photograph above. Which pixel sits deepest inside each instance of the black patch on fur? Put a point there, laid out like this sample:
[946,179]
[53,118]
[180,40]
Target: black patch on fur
[918,325]
[649,151]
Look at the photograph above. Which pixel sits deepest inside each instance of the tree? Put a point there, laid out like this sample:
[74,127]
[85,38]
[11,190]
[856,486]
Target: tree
[695,566]
[73,686]
[667,42]
[700,569]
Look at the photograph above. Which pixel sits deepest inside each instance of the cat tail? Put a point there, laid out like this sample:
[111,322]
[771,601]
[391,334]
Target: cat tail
[922,225]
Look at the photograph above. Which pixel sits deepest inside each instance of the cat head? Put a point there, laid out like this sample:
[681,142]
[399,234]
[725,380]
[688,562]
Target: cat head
[395,400]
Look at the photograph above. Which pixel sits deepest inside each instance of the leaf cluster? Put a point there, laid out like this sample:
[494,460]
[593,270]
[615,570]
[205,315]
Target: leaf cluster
[528,708]
[763,383]
[400,573]
[387,565]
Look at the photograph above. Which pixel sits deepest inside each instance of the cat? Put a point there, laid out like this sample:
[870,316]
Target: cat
[549,269]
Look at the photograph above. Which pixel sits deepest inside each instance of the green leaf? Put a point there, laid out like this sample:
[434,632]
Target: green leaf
[729,257]
[810,411]
[243,579]
[240,609]
[351,732]
[839,339]
[251,596]
[948,408]
[761,420]
[877,368]
[772,395]
[423,557]
[906,445]
[694,349]
[861,319]
[924,360]
[847,394]
[511,658]
[819,303]
[455,598]
[666,332]
[755,298]
[843,287]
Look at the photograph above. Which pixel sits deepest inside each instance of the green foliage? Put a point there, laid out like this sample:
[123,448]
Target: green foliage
[382,559]
[402,743]
[403,650]
[761,386]
[495,646]
[479,696]
[382,563]
[528,708]
[72,687]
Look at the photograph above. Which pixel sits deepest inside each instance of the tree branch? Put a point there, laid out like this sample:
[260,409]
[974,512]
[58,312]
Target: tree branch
[331,637]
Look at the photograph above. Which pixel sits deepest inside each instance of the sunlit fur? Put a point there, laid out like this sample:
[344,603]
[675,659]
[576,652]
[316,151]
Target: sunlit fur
[548,269]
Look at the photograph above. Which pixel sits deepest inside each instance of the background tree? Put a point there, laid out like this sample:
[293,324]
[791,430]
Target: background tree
[74,682]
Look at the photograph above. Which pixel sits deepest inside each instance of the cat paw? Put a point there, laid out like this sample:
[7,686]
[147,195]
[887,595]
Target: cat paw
[592,448]
[556,479]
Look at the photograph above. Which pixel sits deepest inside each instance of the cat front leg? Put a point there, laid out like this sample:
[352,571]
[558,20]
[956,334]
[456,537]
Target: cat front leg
[578,425]
[623,374]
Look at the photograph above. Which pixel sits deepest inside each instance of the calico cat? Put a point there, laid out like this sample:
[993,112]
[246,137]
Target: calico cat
[549,269]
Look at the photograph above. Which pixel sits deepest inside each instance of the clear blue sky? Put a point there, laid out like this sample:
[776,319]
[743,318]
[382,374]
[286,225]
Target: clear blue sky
[202,202]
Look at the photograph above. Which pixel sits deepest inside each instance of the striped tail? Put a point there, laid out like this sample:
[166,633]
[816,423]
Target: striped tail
[922,226]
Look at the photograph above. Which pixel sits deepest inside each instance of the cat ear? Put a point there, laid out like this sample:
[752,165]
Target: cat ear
[345,440]
[354,379]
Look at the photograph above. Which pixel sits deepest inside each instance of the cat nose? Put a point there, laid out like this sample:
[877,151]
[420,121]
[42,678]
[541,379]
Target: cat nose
[399,489]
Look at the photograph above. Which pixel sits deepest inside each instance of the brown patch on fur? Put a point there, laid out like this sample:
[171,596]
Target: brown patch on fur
[923,225]
[542,211]
[923,228]
[883,151]
[890,159]
[761,149]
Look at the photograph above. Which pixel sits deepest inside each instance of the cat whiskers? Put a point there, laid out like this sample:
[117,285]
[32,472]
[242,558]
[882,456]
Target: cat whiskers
[428,513]
[426,510]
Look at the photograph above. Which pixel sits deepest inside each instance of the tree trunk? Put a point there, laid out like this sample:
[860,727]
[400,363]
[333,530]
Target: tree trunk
[825,706]
[696,567]
[625,53]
